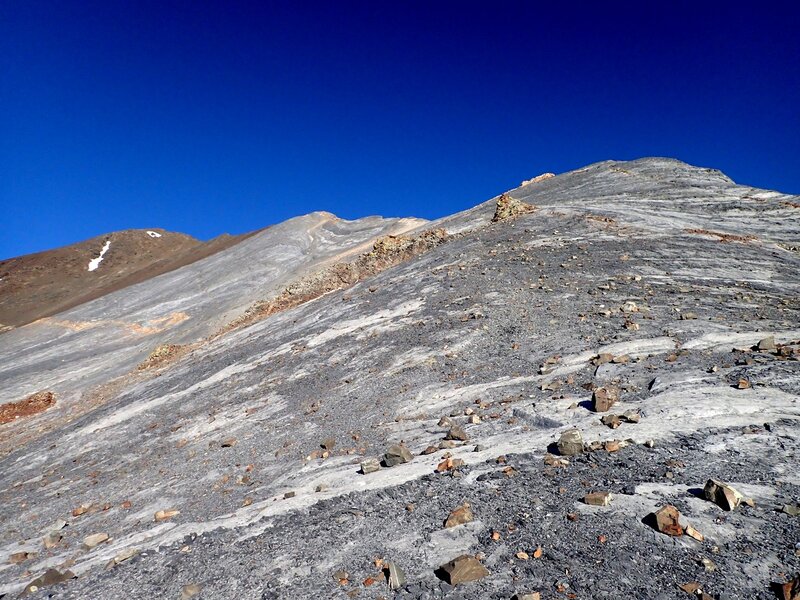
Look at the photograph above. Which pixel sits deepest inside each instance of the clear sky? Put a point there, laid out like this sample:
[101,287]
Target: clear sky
[207,117]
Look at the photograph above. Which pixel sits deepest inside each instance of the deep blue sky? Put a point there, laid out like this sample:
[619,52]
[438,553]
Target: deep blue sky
[210,117]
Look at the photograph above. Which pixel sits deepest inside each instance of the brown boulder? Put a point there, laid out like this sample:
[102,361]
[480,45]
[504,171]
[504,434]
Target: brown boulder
[463,569]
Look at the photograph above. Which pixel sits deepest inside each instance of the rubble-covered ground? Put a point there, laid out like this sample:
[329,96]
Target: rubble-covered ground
[667,284]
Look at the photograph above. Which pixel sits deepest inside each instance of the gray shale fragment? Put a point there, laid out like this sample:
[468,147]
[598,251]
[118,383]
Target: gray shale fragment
[570,443]
[397,454]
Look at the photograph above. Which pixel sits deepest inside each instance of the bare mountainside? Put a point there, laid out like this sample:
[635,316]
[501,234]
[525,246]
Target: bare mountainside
[43,284]
[529,397]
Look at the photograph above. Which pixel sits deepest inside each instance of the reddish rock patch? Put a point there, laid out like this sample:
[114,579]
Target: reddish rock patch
[32,405]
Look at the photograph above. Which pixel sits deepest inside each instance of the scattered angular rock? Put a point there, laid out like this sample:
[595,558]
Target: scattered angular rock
[163,515]
[766,344]
[597,498]
[604,398]
[397,454]
[793,510]
[667,520]
[570,443]
[445,422]
[555,461]
[612,421]
[328,444]
[20,557]
[459,516]
[94,540]
[789,590]
[449,464]
[50,577]
[743,384]
[51,540]
[370,465]
[463,569]
[527,596]
[395,577]
[190,591]
[456,433]
[631,416]
[722,494]
[693,533]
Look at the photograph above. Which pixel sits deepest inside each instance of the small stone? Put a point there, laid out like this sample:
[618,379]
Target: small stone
[94,540]
[370,465]
[463,569]
[190,591]
[341,576]
[602,358]
[612,445]
[604,398]
[20,557]
[456,433]
[163,515]
[51,540]
[445,422]
[597,498]
[708,564]
[328,443]
[527,596]
[50,577]
[288,495]
[522,555]
[479,448]
[621,360]
[322,487]
[612,421]
[430,450]
[394,576]
[693,533]
[474,419]
[449,464]
[649,443]
[766,344]
[82,509]
[459,516]
[570,443]
[631,416]
[789,590]
[722,494]
[229,443]
[555,461]
[743,384]
[792,510]
[688,316]
[667,520]
[448,444]
[126,554]
[397,455]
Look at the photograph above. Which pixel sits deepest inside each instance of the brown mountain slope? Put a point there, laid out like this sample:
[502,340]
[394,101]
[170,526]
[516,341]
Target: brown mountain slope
[45,283]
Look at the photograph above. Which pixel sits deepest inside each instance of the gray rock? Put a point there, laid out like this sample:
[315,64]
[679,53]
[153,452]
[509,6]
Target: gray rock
[397,454]
[370,465]
[456,432]
[462,569]
[570,443]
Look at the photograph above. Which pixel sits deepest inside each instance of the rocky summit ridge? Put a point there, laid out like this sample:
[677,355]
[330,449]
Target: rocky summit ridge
[586,387]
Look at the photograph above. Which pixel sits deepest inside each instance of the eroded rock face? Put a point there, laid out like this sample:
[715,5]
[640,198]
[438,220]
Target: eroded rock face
[508,208]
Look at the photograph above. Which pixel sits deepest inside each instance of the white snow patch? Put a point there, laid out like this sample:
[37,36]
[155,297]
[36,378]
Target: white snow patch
[154,234]
[95,262]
